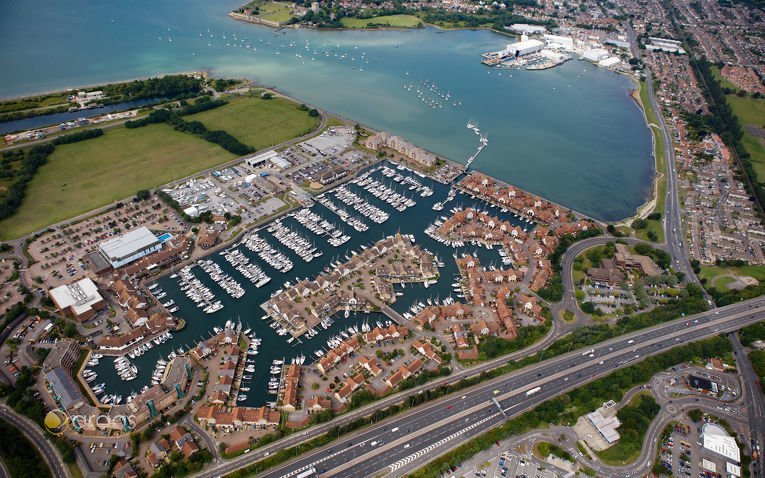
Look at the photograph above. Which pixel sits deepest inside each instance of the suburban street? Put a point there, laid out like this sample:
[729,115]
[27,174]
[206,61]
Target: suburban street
[436,427]
[194,426]
[673,230]
[673,226]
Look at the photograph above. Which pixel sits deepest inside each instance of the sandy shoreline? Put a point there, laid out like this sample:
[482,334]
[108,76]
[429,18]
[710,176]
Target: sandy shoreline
[647,207]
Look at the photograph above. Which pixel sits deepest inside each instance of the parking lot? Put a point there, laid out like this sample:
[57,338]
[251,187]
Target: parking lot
[683,455]
[58,254]
[329,143]
[98,453]
[609,299]
[29,330]
[499,462]
[9,285]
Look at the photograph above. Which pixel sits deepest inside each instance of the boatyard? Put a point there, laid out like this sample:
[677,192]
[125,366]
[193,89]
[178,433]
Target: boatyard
[525,54]
[545,50]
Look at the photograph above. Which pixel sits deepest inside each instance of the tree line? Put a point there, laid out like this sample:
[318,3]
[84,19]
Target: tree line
[553,291]
[196,128]
[79,136]
[14,196]
[497,18]
[171,87]
[723,121]
[18,454]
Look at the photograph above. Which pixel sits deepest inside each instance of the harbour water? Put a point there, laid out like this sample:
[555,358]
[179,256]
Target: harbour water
[247,308]
[58,118]
[570,134]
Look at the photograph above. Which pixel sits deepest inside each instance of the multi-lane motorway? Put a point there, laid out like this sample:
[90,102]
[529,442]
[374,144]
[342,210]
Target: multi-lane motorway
[406,442]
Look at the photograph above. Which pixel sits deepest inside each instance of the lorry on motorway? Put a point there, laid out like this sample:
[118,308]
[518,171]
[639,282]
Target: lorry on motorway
[309,473]
[533,391]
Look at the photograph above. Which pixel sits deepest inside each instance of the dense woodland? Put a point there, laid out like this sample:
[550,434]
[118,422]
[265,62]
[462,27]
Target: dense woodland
[18,454]
[171,87]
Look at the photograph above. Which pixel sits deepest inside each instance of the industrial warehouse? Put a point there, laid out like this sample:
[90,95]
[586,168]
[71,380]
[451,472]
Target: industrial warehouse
[550,50]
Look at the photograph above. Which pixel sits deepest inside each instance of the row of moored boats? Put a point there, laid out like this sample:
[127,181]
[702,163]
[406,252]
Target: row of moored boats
[197,291]
[242,263]
[268,253]
[344,215]
[225,281]
[371,212]
[321,227]
[294,241]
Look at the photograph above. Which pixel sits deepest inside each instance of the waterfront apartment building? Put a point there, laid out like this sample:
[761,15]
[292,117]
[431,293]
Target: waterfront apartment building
[158,398]
[129,247]
[398,144]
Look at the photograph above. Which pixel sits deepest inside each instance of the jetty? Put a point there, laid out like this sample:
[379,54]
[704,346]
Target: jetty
[483,142]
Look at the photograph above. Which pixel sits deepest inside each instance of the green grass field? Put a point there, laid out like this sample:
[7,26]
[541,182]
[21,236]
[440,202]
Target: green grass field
[653,225]
[334,121]
[723,82]
[751,112]
[720,277]
[259,123]
[82,176]
[661,167]
[275,11]
[395,21]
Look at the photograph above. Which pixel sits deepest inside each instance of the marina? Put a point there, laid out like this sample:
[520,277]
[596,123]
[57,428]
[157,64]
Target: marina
[206,306]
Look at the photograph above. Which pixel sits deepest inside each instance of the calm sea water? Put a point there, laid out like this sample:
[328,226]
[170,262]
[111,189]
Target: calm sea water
[571,134]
